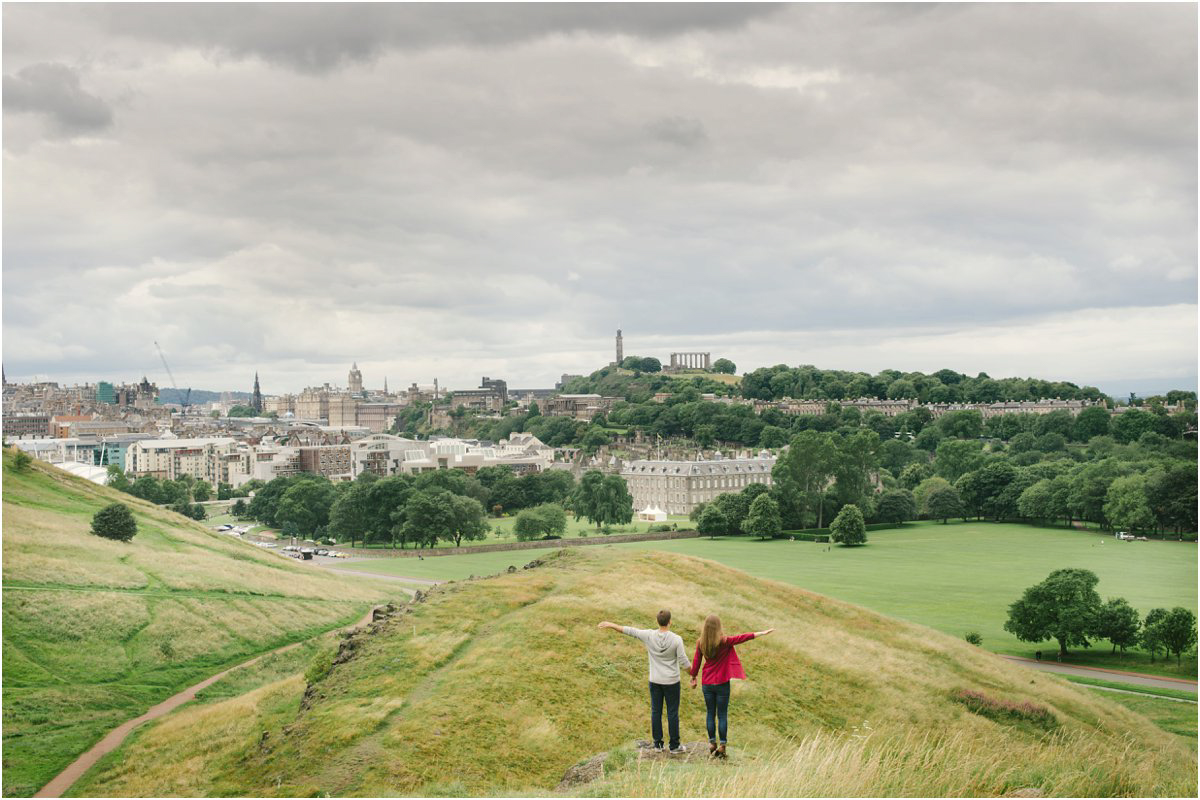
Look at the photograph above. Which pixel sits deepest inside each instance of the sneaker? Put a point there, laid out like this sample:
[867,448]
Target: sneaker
[678,750]
[658,748]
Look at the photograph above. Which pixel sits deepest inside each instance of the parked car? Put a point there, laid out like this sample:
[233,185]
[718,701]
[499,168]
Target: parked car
[322,552]
[1125,536]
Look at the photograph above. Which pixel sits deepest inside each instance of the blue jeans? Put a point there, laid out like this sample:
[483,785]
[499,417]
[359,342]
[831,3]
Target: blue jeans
[716,700]
[670,693]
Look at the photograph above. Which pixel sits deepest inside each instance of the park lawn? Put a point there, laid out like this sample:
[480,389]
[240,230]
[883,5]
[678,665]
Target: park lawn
[1172,717]
[955,578]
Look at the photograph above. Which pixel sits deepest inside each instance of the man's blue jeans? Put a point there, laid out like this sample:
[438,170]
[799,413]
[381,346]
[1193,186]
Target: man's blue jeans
[716,700]
[670,693]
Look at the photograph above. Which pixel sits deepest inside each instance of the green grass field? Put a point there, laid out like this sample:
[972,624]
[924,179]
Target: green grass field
[96,631]
[954,578]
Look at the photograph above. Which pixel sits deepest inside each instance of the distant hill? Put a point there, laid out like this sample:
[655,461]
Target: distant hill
[198,396]
[97,631]
[496,687]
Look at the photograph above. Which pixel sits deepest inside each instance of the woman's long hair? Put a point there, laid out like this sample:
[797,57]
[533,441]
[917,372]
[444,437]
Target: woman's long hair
[711,636]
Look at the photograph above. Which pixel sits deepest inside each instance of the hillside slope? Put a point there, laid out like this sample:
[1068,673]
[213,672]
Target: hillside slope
[96,631]
[496,686]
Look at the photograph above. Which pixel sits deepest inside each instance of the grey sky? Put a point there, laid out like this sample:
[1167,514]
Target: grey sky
[456,191]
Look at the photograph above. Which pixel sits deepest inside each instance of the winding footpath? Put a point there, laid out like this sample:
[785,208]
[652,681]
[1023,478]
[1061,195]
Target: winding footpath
[1121,676]
[74,771]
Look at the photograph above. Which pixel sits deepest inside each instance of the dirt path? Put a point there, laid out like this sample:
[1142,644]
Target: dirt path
[1116,675]
[66,779]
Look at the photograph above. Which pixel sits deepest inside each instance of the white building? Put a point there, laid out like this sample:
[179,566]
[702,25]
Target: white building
[203,458]
[677,487]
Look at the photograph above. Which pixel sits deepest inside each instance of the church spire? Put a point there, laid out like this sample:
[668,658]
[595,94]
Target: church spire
[256,401]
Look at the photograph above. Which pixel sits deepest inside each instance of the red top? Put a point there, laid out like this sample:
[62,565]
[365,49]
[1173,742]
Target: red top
[726,665]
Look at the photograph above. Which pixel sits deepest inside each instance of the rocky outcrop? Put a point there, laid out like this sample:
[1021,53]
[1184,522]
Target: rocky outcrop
[583,772]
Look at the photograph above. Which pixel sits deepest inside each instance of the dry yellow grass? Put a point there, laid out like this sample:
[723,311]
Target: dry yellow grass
[506,682]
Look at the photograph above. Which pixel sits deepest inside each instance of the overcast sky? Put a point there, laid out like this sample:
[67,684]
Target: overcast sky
[457,191]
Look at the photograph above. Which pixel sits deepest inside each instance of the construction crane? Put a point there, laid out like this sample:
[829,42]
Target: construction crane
[183,398]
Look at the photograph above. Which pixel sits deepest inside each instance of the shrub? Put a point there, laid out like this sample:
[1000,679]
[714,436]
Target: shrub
[1005,710]
[21,461]
[974,638]
[115,522]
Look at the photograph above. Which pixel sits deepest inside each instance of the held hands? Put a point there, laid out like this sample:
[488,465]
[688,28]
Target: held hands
[693,683]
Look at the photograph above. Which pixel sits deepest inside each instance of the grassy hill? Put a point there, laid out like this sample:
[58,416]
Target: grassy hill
[96,631]
[497,686]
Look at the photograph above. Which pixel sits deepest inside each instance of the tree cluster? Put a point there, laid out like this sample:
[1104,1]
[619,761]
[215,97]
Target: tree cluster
[182,495]
[1066,608]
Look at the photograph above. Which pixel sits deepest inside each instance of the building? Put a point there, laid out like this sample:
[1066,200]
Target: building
[26,425]
[354,381]
[677,487]
[492,395]
[331,460]
[375,417]
[202,458]
[689,361]
[256,398]
[581,407]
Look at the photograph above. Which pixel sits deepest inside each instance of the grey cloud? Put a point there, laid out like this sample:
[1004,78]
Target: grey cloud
[55,91]
[321,36]
[681,131]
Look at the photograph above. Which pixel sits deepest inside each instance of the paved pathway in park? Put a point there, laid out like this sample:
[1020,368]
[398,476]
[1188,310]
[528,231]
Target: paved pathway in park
[1115,675]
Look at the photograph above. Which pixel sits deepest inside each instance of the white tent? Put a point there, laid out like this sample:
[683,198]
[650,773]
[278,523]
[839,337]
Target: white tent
[92,473]
[652,514]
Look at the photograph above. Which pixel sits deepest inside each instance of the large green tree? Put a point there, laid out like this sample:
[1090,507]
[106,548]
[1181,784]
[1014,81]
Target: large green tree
[957,457]
[541,521]
[848,527]
[896,505]
[305,506]
[603,499]
[813,460]
[1119,623]
[1064,607]
[1126,506]
[943,502]
[763,518]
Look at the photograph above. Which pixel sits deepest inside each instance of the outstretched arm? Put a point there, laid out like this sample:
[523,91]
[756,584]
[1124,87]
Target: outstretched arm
[615,627]
[763,633]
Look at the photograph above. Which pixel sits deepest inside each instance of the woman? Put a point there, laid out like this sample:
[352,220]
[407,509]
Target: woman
[720,665]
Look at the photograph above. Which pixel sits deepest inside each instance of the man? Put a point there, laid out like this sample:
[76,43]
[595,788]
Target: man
[667,658]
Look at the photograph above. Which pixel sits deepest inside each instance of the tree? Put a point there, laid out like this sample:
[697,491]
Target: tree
[1125,504]
[724,366]
[943,502]
[896,505]
[306,504]
[957,457]
[147,488]
[469,520]
[1092,421]
[912,475]
[848,527]
[21,461]
[349,517]
[603,499]
[239,508]
[201,492]
[1119,623]
[542,521]
[1177,632]
[429,516]
[712,521]
[594,439]
[763,518]
[1064,607]
[1152,631]
[117,479]
[115,522]
[812,460]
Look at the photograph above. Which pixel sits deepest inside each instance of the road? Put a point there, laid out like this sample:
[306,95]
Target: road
[1115,675]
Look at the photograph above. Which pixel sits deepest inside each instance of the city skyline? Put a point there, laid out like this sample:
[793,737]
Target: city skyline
[451,192]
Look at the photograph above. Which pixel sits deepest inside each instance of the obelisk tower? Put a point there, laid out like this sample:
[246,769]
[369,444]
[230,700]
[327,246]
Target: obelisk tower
[620,348]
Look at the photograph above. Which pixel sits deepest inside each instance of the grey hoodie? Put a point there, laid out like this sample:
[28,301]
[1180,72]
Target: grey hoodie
[667,656]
